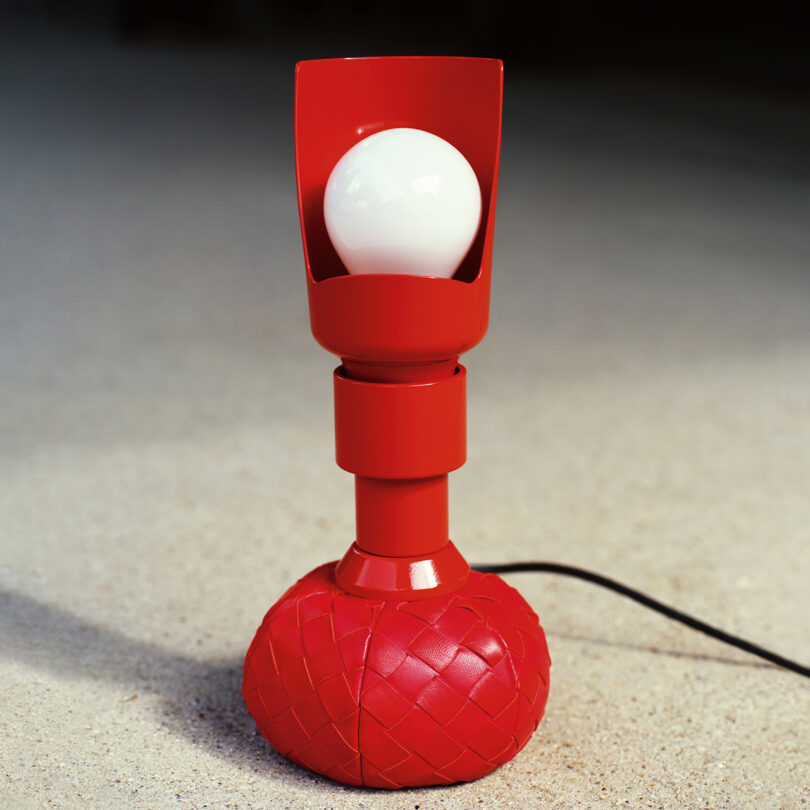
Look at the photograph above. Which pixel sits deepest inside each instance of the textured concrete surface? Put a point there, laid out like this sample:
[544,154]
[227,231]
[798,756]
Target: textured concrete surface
[641,406]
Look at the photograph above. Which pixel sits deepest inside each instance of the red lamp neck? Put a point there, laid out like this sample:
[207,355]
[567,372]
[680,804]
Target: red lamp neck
[400,372]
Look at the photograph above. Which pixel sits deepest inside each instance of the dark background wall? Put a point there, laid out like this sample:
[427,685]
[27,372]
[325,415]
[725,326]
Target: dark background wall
[757,44]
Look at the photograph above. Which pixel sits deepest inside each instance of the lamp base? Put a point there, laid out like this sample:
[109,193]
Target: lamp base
[392,694]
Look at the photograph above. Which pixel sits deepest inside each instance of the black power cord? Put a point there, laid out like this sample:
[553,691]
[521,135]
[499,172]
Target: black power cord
[647,601]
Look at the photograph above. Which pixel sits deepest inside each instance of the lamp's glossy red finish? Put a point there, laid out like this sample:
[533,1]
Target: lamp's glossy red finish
[401,430]
[385,318]
[398,666]
[435,573]
[400,334]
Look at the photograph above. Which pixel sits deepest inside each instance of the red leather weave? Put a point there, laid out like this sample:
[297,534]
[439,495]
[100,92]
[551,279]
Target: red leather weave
[394,694]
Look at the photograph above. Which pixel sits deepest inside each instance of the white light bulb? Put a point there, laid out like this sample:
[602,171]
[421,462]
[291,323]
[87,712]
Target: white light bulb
[402,201]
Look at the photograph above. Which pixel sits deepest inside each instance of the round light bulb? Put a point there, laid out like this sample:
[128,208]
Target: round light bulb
[402,201]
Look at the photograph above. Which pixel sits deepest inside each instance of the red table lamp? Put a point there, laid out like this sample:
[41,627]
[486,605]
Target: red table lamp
[398,666]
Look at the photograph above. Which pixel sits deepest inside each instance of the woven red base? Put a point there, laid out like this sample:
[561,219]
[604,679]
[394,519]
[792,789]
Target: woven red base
[398,694]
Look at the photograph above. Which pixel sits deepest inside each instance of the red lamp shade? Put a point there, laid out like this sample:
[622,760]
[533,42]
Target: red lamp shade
[338,102]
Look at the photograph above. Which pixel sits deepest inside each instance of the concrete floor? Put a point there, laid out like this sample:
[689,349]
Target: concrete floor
[641,406]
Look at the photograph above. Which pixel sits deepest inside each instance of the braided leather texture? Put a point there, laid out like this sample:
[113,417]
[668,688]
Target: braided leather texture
[398,694]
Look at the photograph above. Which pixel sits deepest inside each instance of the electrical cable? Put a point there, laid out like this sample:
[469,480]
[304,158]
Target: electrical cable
[647,601]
